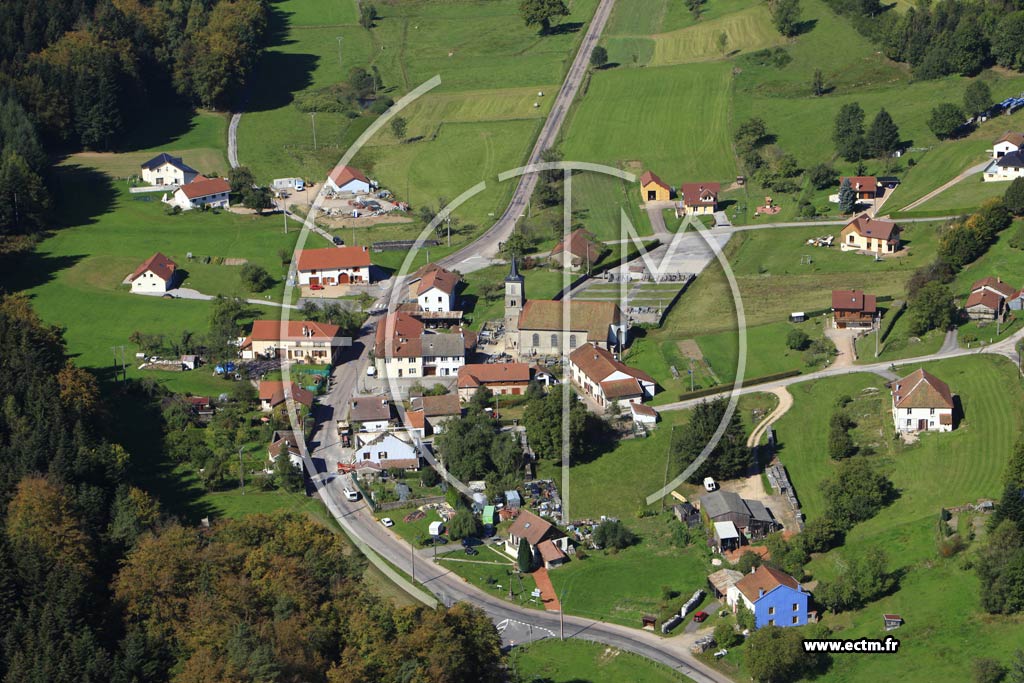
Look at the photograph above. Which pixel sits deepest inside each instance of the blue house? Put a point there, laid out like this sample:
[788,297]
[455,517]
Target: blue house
[775,598]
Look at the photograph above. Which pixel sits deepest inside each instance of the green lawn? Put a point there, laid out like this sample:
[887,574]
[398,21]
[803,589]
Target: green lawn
[745,30]
[672,120]
[937,598]
[578,661]
[1001,260]
[969,193]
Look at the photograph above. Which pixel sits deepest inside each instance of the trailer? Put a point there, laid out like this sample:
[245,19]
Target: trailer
[297,184]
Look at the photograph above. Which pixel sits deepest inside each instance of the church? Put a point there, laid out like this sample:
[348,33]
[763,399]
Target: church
[537,328]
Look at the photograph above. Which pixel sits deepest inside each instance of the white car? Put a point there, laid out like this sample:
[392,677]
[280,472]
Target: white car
[709,484]
[387,521]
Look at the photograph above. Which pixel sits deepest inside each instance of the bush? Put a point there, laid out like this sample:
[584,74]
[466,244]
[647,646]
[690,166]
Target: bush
[988,670]
[1014,197]
[429,477]
[726,635]
[256,278]
[822,176]
[613,535]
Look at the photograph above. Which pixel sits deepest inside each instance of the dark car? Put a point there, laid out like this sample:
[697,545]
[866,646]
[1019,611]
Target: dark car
[700,616]
[466,542]
[337,240]
[470,550]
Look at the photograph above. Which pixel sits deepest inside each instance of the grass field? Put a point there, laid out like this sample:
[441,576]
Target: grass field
[578,661]
[671,120]
[938,598]
[967,194]
[747,30]
[1001,260]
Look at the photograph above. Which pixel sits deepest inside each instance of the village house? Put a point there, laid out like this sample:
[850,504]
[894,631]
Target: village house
[388,452]
[273,393]
[722,580]
[413,351]
[334,266]
[642,414]
[990,299]
[346,179]
[550,546]
[301,341]
[579,251]
[535,328]
[1009,143]
[503,379]
[852,308]
[865,187]
[1009,166]
[921,402]
[750,517]
[164,169]
[156,274]
[433,289]
[436,411]
[653,189]
[869,235]
[201,192]
[285,441]
[604,379]
[698,199]
[775,598]
[371,413]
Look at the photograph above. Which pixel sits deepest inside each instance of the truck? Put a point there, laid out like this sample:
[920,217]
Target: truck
[297,184]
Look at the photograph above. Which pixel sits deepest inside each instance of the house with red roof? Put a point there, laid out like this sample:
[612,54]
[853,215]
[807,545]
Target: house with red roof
[202,192]
[301,341]
[865,187]
[921,402]
[273,393]
[346,179]
[503,379]
[600,376]
[333,266]
[403,347]
[853,308]
[549,545]
[653,188]
[870,235]
[698,199]
[433,289]
[578,251]
[158,273]
[1010,142]
[989,299]
[775,597]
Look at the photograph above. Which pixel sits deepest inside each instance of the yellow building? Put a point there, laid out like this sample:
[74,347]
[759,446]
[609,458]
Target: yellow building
[652,189]
[869,235]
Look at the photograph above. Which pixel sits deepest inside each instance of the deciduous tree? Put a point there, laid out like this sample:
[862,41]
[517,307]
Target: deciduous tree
[542,12]
[945,120]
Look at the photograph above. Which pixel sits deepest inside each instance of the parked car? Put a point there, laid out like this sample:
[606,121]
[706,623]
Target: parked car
[337,240]
[700,616]
[316,288]
[388,522]
[351,495]
[470,550]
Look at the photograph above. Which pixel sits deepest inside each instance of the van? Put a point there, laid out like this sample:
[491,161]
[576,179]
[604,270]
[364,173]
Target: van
[709,484]
[350,494]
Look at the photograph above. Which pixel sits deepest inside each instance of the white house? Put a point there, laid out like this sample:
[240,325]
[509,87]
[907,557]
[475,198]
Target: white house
[333,266]
[156,274]
[597,374]
[412,351]
[1009,166]
[1010,142]
[434,290]
[300,341]
[921,402]
[373,413]
[387,451]
[164,169]
[347,179]
[202,191]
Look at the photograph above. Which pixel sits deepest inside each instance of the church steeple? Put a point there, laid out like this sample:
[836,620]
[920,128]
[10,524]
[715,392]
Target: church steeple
[513,273]
[515,299]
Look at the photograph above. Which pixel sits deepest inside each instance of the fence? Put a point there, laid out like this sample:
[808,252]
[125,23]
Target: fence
[410,503]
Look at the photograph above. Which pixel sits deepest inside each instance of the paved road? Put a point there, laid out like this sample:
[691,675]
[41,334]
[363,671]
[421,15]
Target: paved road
[195,295]
[233,139]
[479,254]
[1005,348]
[945,186]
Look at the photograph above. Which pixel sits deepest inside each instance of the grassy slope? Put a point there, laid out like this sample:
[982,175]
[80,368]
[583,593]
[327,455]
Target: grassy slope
[575,661]
[746,30]
[937,598]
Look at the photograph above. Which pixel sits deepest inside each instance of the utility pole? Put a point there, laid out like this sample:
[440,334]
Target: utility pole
[241,470]
[340,39]
[561,621]
[412,561]
[284,213]
[312,118]
[877,332]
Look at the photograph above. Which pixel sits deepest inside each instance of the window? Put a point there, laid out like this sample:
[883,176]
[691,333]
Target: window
[572,341]
[536,340]
[796,607]
[909,422]
[796,620]
[771,622]
[771,610]
[554,340]
[908,411]
[931,411]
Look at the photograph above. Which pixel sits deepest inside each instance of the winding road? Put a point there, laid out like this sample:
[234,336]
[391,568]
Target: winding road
[478,254]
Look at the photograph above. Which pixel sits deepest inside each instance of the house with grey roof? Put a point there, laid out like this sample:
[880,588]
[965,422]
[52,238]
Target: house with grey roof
[750,516]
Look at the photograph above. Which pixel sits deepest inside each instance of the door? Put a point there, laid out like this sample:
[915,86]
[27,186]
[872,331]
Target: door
[652,195]
[343,279]
[314,280]
[922,425]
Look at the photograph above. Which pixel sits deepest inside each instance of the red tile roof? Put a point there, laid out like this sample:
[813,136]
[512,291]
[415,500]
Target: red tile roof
[442,279]
[597,364]
[531,527]
[699,194]
[870,227]
[343,174]
[648,177]
[921,389]
[159,265]
[333,257]
[862,183]
[853,300]
[550,552]
[204,187]
[621,388]
[416,419]
[479,374]
[1013,138]
[580,244]
[993,283]
[438,406]
[986,298]
[295,330]
[277,392]
[592,317]
[766,579]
